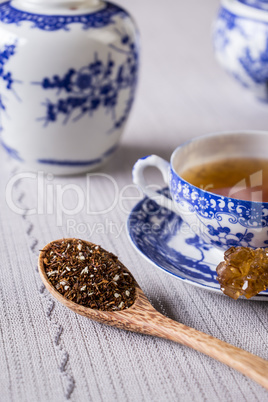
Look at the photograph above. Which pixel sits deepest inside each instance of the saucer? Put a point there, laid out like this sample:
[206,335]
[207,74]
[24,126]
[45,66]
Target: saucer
[166,241]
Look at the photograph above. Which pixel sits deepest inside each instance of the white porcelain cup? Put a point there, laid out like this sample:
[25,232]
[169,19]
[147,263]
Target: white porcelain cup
[219,220]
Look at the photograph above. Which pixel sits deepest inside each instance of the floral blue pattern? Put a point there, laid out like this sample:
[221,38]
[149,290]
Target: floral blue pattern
[166,241]
[239,51]
[224,222]
[6,76]
[82,86]
[98,84]
[150,224]
[98,19]
[220,234]
[255,68]
[6,52]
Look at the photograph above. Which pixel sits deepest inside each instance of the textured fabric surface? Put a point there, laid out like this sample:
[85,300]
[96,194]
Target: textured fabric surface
[48,353]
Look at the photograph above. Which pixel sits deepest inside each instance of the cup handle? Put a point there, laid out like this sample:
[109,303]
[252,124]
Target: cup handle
[139,179]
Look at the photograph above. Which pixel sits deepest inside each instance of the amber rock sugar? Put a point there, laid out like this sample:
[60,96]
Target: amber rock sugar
[88,275]
[244,272]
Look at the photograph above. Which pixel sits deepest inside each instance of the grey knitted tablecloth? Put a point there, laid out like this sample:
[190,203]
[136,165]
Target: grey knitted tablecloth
[48,353]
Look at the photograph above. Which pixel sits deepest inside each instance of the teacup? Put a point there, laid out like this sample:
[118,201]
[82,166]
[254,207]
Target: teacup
[219,220]
[237,46]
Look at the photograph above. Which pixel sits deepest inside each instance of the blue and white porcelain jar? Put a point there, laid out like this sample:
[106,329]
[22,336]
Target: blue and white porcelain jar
[240,38]
[68,74]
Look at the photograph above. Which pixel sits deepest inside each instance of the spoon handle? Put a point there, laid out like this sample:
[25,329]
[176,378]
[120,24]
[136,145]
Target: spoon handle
[248,364]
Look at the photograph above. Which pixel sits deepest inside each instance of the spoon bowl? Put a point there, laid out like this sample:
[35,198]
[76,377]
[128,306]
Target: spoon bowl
[142,317]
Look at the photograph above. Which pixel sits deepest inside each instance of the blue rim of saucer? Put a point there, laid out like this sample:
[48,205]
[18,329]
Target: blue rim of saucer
[164,240]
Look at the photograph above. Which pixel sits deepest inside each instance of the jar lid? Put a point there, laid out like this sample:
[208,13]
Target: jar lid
[260,4]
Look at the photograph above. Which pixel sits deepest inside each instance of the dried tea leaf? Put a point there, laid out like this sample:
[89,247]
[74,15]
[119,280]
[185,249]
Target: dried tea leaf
[89,275]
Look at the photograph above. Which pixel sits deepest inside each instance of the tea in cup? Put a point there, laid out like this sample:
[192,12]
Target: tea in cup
[219,186]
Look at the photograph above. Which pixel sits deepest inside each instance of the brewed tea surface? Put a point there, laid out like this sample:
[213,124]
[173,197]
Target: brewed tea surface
[240,178]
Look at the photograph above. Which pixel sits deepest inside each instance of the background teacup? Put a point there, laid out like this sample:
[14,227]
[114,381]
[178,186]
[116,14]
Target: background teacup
[240,35]
[220,220]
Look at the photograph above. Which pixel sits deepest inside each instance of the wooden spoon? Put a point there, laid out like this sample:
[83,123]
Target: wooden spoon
[143,318]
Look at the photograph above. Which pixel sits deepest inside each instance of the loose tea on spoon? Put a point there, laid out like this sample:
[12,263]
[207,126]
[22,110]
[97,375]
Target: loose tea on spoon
[88,275]
[112,298]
